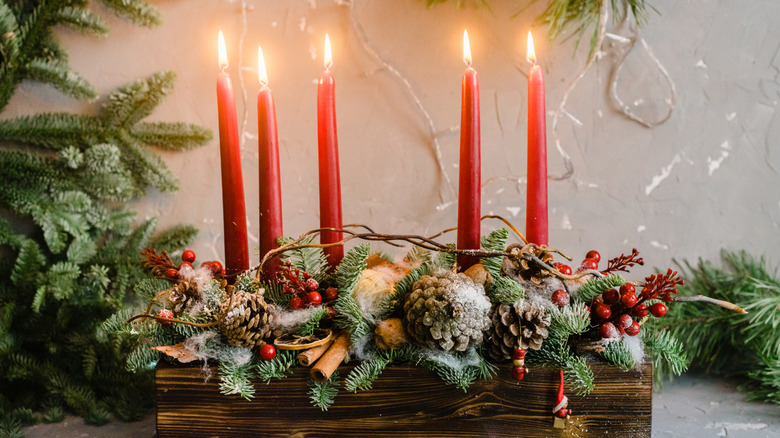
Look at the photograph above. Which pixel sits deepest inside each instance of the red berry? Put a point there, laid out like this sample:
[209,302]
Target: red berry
[207,265]
[216,268]
[658,309]
[313,299]
[296,303]
[633,329]
[629,300]
[603,311]
[560,298]
[172,273]
[640,311]
[311,284]
[593,254]
[564,269]
[267,352]
[330,294]
[611,296]
[624,320]
[518,373]
[627,288]
[589,264]
[188,255]
[596,301]
[608,330]
[331,312]
[184,265]
[165,313]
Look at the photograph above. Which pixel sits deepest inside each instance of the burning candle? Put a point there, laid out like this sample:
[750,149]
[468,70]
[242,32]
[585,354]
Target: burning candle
[469,179]
[536,205]
[270,186]
[327,141]
[233,206]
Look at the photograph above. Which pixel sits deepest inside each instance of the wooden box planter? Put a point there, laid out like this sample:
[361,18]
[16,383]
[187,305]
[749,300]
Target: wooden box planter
[406,402]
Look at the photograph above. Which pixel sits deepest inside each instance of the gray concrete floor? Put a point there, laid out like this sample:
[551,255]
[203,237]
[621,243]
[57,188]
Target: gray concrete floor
[691,406]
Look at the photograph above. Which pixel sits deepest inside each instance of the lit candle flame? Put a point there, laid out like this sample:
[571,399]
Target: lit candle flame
[261,67]
[223,62]
[466,49]
[328,59]
[531,56]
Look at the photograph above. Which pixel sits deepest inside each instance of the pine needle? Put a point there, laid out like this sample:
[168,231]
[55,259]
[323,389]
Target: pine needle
[323,394]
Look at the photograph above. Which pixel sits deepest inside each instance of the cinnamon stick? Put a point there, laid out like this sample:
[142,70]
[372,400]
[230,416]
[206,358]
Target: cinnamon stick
[311,355]
[332,358]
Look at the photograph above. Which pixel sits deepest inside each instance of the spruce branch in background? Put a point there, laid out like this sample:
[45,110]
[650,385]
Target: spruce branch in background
[722,342]
[65,179]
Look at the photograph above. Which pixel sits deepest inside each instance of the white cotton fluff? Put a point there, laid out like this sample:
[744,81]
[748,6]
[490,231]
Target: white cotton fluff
[373,286]
[201,276]
[287,319]
[458,363]
[636,347]
[207,346]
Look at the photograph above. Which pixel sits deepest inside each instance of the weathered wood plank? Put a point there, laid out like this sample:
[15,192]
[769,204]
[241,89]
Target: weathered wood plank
[406,402]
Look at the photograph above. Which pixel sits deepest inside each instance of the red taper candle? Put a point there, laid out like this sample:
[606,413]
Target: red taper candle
[536,205]
[270,187]
[233,204]
[327,141]
[469,179]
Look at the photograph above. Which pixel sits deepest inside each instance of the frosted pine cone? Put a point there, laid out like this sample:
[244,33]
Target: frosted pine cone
[521,325]
[247,322]
[528,270]
[446,311]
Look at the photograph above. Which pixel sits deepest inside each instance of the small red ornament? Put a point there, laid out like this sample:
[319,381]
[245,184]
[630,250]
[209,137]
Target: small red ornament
[172,273]
[624,321]
[216,268]
[603,311]
[330,294]
[311,284]
[608,330]
[593,254]
[596,301]
[331,312]
[560,298]
[518,373]
[296,303]
[563,269]
[313,299]
[640,311]
[633,329]
[658,309]
[629,300]
[627,288]
[185,265]
[165,313]
[267,352]
[611,296]
[188,255]
[518,354]
[589,264]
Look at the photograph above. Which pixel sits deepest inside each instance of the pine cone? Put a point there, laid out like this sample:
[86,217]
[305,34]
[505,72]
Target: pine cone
[446,311]
[247,322]
[527,270]
[521,325]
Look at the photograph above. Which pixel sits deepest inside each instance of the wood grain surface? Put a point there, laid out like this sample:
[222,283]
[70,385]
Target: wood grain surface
[405,401]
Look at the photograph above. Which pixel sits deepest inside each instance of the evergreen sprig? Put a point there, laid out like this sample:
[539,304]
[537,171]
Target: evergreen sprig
[363,376]
[323,394]
[235,378]
[504,290]
[617,353]
[597,286]
[277,368]
[495,241]
[349,316]
[311,260]
[402,288]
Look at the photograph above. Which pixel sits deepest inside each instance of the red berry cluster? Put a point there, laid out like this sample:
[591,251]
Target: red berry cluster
[187,258]
[303,288]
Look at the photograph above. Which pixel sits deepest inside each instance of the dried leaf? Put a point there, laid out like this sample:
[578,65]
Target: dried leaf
[178,352]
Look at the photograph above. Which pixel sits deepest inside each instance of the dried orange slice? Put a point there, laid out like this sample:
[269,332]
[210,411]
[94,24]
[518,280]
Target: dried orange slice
[291,341]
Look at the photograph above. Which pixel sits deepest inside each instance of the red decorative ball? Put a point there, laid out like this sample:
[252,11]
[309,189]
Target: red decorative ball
[624,320]
[331,312]
[518,354]
[640,310]
[165,313]
[629,300]
[172,273]
[311,284]
[216,268]
[611,296]
[560,298]
[296,303]
[589,264]
[596,301]
[608,330]
[593,254]
[627,288]
[313,299]
[564,269]
[267,352]
[603,311]
[633,329]
[188,255]
[658,309]
[185,265]
[518,373]
[330,294]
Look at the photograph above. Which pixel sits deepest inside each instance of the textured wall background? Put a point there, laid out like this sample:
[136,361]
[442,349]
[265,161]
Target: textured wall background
[705,179]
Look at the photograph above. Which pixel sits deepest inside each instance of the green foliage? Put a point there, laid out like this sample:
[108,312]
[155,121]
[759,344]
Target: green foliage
[504,290]
[235,378]
[668,354]
[495,241]
[65,181]
[362,376]
[617,353]
[311,260]
[323,394]
[402,288]
[720,341]
[597,286]
[277,368]
[307,328]
[349,316]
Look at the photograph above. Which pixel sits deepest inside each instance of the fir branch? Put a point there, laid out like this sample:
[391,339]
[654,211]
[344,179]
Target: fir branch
[446,260]
[352,265]
[308,327]
[504,290]
[617,353]
[178,236]
[495,241]
[171,136]
[137,11]
[311,260]
[597,286]
[323,394]
[668,355]
[277,368]
[363,376]
[570,320]
[401,289]
[578,375]
[81,20]
[417,256]
[59,75]
[235,379]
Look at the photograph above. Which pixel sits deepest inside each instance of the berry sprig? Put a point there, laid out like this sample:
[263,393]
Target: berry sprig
[300,285]
[158,263]
[623,262]
[163,267]
[661,287]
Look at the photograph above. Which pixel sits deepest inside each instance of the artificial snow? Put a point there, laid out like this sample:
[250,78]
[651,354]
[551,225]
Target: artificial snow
[286,320]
